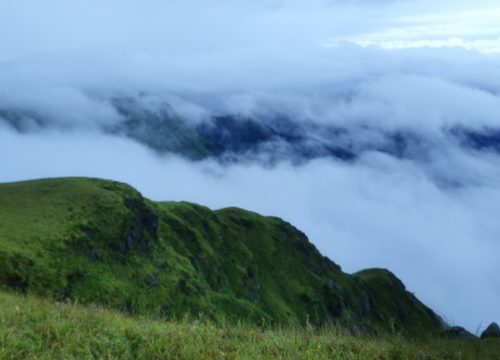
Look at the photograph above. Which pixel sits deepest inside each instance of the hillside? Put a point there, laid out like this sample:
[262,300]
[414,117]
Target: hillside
[98,241]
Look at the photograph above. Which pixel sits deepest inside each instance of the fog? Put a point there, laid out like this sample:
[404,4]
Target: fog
[370,67]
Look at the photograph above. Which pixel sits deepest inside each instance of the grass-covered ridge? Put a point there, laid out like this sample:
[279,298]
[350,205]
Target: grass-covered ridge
[98,241]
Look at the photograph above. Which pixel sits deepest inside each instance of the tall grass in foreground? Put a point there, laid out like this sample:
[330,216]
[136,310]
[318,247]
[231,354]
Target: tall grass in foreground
[32,328]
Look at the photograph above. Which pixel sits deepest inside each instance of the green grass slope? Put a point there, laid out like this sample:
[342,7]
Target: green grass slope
[34,328]
[98,241]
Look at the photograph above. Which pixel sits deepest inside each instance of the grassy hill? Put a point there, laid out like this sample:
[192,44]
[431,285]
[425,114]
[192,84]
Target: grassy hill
[101,242]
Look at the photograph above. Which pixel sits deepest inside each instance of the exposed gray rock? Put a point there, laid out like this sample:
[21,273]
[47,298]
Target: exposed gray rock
[134,237]
[332,285]
[139,228]
[201,290]
[366,306]
[254,292]
[492,331]
[154,280]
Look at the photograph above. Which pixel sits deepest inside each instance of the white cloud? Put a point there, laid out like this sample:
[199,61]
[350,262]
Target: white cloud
[488,46]
[470,26]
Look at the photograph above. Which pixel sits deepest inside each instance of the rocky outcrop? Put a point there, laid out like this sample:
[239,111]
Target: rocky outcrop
[492,331]
[139,228]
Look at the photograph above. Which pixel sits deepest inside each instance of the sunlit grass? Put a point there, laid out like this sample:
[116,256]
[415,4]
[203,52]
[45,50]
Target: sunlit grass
[33,328]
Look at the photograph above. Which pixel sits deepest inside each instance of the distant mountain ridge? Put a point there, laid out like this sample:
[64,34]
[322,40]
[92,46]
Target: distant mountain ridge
[232,138]
[99,241]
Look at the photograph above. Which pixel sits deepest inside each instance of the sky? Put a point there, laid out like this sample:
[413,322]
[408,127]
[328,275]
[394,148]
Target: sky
[423,67]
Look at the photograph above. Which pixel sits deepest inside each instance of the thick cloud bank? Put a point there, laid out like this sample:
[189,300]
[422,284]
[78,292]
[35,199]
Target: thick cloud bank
[372,126]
